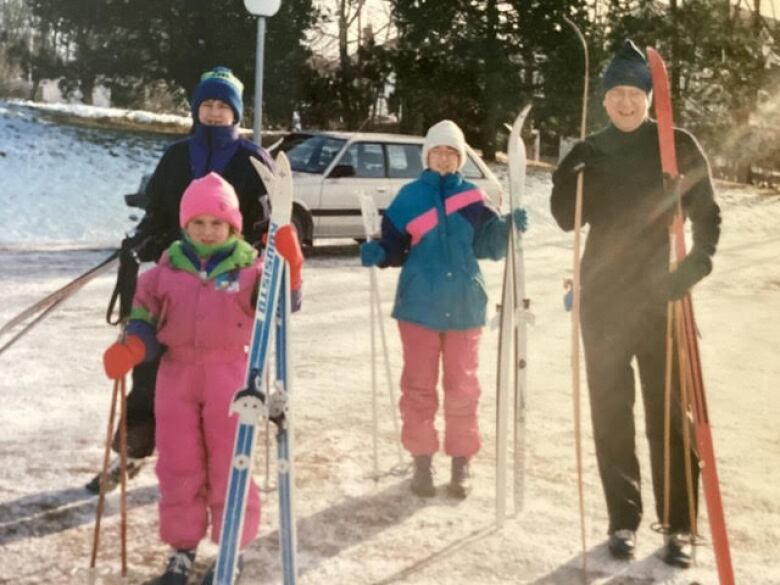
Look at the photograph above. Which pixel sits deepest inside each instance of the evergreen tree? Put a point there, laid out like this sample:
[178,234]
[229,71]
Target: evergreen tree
[480,61]
[716,54]
[132,46]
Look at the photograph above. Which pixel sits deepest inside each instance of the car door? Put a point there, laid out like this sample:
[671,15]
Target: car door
[475,171]
[404,164]
[361,167]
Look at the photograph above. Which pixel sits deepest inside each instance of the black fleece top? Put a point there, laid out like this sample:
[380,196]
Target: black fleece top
[624,203]
[172,176]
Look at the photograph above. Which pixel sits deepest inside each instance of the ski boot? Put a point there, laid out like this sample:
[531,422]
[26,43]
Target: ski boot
[678,550]
[422,480]
[112,476]
[459,486]
[208,578]
[178,568]
[621,544]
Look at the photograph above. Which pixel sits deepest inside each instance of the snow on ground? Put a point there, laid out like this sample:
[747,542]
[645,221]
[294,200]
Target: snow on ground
[64,184]
[354,530]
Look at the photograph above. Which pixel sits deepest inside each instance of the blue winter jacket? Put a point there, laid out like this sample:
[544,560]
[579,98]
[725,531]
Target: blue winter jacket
[437,227]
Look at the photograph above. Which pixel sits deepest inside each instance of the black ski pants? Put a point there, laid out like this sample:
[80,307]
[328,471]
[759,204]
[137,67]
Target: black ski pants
[140,411]
[611,341]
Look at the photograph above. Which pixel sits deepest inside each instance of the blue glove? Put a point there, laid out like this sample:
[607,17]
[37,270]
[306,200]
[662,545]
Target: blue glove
[372,254]
[568,300]
[520,218]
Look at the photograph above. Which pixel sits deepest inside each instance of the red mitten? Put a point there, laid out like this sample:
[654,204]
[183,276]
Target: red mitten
[290,249]
[121,357]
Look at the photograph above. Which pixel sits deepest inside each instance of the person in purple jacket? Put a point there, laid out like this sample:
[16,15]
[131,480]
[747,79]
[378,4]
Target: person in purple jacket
[214,145]
[198,302]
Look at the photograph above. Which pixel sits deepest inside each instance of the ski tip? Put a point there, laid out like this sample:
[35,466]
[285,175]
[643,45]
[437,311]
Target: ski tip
[525,110]
[266,175]
[517,125]
[282,196]
[654,60]
[519,119]
[283,169]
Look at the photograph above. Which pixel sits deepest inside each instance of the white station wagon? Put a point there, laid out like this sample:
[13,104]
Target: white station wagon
[331,168]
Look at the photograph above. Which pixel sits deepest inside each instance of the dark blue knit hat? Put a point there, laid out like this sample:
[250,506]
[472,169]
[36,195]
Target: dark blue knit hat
[628,67]
[219,84]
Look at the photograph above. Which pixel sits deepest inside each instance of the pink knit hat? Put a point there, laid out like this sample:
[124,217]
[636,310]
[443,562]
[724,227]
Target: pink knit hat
[210,195]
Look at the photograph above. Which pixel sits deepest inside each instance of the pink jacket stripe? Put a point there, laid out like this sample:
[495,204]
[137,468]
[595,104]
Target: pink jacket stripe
[461,200]
[422,224]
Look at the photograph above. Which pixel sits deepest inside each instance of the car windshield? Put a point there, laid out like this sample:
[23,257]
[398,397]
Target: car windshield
[311,153]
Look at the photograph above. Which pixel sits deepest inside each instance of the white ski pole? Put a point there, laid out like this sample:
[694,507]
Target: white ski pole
[371,224]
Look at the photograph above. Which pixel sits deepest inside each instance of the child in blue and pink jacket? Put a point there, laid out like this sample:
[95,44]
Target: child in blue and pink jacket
[437,228]
[198,303]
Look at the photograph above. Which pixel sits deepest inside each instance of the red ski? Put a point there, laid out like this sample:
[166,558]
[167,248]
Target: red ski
[688,340]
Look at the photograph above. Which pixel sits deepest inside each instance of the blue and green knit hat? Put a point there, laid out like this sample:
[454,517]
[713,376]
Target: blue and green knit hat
[219,84]
[628,67]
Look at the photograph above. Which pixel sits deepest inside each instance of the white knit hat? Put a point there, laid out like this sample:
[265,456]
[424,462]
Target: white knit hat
[445,133]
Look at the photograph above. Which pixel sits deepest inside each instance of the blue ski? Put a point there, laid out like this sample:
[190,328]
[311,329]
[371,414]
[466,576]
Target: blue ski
[254,399]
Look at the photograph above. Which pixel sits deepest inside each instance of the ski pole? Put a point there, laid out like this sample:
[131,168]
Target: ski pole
[686,389]
[123,476]
[92,572]
[575,314]
[370,215]
[388,373]
[267,485]
[374,407]
[670,324]
[41,309]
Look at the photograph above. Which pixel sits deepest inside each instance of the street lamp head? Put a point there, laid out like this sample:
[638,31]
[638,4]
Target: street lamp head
[262,7]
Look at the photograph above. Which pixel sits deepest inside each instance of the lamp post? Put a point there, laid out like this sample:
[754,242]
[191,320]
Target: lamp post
[262,9]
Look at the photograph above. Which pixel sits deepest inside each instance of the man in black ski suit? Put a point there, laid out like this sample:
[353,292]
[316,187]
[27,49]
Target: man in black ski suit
[214,144]
[626,284]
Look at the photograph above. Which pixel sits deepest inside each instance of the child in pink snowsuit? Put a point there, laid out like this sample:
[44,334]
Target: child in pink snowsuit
[198,302]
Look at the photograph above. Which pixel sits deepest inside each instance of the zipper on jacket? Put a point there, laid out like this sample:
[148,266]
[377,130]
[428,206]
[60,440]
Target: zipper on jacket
[442,207]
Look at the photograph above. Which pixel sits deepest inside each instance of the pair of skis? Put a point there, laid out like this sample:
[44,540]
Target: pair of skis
[681,313]
[512,341]
[256,399]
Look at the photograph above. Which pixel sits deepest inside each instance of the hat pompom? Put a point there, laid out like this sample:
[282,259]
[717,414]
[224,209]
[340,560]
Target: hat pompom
[628,67]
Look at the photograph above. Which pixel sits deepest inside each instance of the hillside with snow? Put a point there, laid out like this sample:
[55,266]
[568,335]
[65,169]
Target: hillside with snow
[61,207]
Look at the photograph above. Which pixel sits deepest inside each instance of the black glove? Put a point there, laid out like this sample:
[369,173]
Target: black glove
[581,156]
[691,270]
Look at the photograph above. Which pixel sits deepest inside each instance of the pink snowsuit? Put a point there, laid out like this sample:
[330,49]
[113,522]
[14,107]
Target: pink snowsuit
[205,322]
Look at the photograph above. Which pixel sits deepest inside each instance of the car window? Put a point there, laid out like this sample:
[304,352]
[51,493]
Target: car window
[404,161]
[471,170]
[368,159]
[313,154]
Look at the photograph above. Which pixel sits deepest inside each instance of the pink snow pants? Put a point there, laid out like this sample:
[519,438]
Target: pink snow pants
[195,436]
[458,352]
